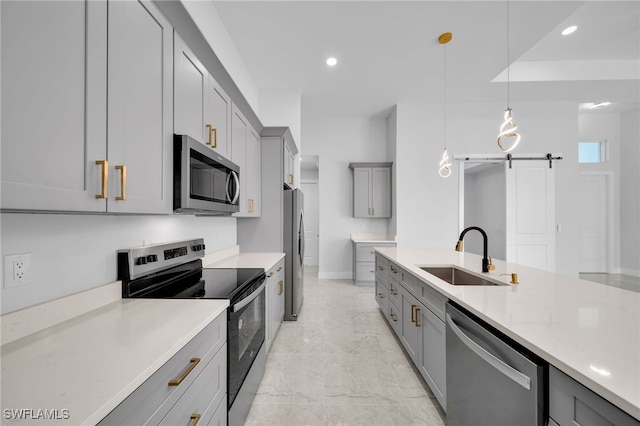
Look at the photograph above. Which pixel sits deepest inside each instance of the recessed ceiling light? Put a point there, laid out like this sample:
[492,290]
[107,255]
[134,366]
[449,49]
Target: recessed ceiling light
[332,62]
[569,30]
[600,105]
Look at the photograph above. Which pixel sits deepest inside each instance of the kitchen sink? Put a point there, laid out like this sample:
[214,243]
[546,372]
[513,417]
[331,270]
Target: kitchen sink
[457,276]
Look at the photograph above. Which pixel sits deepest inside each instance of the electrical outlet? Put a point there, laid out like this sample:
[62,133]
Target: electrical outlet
[17,269]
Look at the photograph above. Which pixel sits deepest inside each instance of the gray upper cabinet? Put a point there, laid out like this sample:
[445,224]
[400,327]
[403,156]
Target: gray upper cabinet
[245,152]
[371,189]
[53,104]
[218,118]
[202,108]
[55,75]
[139,108]
[190,87]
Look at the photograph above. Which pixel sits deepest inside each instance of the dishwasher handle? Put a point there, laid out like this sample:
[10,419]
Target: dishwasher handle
[499,365]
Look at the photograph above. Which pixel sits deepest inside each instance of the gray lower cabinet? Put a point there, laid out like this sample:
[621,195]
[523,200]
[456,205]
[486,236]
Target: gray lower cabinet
[274,301]
[572,404]
[364,261]
[416,313]
[190,386]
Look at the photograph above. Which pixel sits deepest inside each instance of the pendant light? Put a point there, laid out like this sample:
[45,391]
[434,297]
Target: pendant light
[508,127]
[445,164]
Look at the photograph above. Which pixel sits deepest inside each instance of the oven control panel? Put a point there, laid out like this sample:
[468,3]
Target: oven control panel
[139,261]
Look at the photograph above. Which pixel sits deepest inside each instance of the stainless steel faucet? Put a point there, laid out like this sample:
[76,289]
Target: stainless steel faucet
[486,261]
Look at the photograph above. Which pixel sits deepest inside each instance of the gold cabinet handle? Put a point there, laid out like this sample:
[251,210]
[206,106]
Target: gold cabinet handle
[380,268]
[393,317]
[192,364]
[393,291]
[251,205]
[413,313]
[280,287]
[279,269]
[381,296]
[417,317]
[105,178]
[291,178]
[270,274]
[195,418]
[213,136]
[123,183]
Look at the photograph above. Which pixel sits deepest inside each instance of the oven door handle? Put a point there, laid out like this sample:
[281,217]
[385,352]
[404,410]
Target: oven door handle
[244,302]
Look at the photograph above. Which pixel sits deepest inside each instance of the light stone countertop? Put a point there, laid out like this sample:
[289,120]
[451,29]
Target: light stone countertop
[589,331]
[265,260]
[90,363]
[372,238]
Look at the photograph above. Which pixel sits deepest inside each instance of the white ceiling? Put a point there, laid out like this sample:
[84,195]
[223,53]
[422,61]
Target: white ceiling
[388,51]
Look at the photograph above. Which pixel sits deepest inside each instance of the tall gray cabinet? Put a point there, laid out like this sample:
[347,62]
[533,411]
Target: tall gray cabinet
[265,233]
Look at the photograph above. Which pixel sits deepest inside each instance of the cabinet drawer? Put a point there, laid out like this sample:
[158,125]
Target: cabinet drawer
[408,281]
[382,295]
[365,252]
[203,396]
[572,404]
[433,300]
[155,391]
[365,271]
[394,292]
[394,316]
[394,271]
[382,267]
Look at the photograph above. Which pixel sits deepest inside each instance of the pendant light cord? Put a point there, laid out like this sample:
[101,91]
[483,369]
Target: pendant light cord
[508,60]
[445,96]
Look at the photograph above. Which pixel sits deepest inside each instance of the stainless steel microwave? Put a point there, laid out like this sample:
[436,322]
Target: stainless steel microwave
[204,182]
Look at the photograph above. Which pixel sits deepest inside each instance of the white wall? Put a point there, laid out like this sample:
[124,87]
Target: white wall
[72,253]
[208,20]
[338,142]
[282,109]
[427,205]
[630,187]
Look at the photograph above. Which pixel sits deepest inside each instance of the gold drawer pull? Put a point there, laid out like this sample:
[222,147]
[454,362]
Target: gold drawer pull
[413,313]
[195,418]
[279,269]
[270,274]
[290,178]
[380,268]
[212,131]
[123,183]
[280,287]
[417,316]
[192,364]
[105,178]
[393,317]
[381,296]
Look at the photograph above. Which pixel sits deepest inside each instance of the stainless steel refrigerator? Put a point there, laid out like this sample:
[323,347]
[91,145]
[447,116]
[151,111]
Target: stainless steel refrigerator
[294,249]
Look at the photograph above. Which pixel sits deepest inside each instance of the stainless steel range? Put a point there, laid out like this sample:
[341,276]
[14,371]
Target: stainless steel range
[174,271]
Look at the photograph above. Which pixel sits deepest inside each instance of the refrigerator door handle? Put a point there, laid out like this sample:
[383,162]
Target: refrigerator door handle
[499,365]
[301,237]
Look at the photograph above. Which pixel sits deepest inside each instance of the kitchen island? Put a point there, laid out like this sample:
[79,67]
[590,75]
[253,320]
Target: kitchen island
[589,331]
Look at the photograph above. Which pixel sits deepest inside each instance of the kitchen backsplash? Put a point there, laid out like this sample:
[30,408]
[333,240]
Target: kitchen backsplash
[72,253]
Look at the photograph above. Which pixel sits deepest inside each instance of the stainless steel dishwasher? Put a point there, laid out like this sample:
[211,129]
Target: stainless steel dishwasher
[491,380]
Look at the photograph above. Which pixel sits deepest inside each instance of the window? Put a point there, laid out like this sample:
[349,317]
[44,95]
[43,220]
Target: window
[591,152]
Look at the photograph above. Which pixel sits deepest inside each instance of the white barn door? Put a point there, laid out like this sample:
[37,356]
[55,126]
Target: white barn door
[531,214]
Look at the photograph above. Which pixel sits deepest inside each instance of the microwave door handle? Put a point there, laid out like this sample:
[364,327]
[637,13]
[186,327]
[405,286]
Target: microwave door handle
[227,188]
[237,194]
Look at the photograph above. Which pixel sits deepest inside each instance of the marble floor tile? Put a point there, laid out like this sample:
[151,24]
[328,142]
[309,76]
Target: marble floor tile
[341,364]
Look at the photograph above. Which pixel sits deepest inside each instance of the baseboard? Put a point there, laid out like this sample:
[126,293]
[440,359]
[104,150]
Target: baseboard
[632,272]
